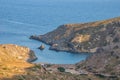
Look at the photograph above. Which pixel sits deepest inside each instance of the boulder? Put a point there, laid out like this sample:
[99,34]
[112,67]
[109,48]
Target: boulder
[42,47]
[54,45]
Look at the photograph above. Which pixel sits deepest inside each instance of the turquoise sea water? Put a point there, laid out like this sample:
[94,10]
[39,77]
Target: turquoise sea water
[20,19]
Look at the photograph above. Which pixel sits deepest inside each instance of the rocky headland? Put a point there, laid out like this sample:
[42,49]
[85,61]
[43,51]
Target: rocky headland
[13,59]
[84,37]
[16,52]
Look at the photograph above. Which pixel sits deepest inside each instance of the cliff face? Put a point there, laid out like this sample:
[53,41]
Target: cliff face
[84,37]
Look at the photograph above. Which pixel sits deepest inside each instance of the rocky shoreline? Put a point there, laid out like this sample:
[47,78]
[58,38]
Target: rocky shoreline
[32,57]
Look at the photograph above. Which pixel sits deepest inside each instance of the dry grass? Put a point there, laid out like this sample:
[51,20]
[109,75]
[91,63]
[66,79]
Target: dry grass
[81,38]
[93,24]
[12,60]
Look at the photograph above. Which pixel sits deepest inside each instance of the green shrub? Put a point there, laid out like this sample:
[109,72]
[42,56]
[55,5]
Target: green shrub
[4,68]
[37,66]
[48,65]
[20,79]
[116,40]
[61,69]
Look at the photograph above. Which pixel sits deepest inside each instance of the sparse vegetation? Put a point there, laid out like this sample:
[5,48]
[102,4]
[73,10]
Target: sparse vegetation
[61,69]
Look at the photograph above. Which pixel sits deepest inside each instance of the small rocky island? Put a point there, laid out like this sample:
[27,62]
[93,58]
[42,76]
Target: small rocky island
[42,47]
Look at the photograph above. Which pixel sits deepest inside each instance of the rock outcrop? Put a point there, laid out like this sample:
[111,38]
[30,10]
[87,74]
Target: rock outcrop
[42,47]
[84,37]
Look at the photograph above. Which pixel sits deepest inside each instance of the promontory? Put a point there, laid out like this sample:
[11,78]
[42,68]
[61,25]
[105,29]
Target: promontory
[83,37]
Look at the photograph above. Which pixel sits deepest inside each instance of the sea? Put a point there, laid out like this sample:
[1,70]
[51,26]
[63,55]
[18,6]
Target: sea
[19,19]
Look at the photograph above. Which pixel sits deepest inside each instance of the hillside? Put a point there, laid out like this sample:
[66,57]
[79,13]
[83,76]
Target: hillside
[13,59]
[84,37]
[105,62]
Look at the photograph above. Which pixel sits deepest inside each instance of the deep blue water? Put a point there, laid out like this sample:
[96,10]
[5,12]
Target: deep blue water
[21,18]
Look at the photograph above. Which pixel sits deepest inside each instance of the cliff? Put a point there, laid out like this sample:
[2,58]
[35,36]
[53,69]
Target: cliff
[84,37]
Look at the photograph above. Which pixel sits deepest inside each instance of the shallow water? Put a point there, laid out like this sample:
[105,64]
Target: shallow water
[20,19]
